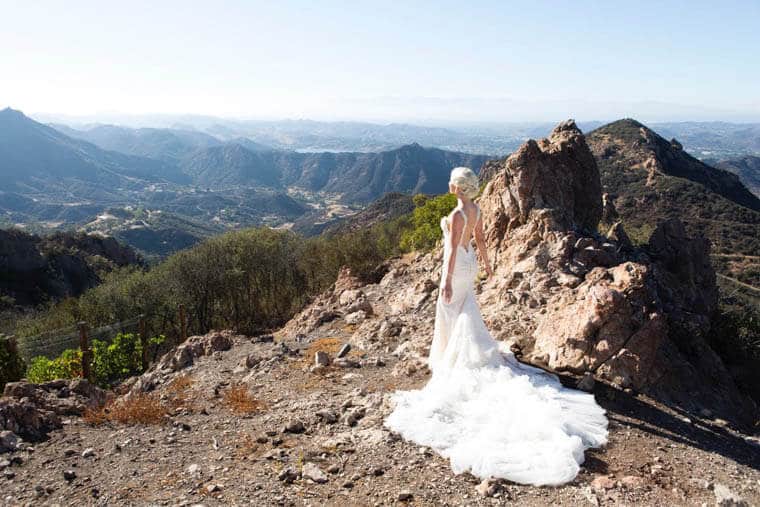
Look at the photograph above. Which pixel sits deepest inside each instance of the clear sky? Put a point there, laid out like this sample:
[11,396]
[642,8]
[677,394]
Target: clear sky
[384,60]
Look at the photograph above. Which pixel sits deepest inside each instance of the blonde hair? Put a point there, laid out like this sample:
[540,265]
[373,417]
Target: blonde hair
[466,180]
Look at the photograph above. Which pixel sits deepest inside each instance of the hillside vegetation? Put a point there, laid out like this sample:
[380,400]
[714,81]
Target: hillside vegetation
[650,179]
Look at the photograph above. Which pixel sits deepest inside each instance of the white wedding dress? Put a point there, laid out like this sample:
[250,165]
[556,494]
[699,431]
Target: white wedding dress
[488,413]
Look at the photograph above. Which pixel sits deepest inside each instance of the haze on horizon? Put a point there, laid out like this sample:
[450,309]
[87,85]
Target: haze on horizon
[421,62]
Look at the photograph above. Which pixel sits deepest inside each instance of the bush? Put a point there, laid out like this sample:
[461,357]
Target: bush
[12,367]
[425,230]
[67,365]
[120,359]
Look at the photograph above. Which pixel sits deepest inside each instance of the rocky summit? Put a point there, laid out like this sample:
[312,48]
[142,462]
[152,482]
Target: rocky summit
[295,417]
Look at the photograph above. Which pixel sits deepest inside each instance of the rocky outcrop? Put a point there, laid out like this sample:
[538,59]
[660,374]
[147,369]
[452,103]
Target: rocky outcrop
[181,357]
[31,411]
[557,175]
[571,299]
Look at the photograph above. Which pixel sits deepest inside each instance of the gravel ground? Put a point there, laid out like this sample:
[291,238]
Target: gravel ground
[207,454]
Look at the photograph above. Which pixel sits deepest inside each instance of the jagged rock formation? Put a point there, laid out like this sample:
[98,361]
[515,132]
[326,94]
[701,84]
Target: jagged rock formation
[577,301]
[31,411]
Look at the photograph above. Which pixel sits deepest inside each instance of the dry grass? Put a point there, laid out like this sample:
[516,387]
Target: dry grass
[331,345]
[240,401]
[143,408]
[178,393]
[247,446]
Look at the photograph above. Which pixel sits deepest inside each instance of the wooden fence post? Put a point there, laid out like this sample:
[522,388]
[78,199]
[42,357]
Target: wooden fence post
[182,324]
[84,347]
[143,341]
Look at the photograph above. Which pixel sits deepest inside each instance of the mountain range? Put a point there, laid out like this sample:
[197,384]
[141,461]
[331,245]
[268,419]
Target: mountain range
[200,184]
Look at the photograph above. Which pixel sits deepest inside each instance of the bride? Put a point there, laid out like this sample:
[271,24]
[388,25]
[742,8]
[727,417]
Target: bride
[488,413]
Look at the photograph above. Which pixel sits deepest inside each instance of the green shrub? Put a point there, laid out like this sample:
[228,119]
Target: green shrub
[425,230]
[119,359]
[67,365]
[11,365]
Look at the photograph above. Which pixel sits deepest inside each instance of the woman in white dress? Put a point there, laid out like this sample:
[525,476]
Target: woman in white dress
[488,413]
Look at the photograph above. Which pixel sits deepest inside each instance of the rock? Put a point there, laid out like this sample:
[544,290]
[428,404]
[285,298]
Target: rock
[353,416]
[636,318]
[321,358]
[24,418]
[88,453]
[487,487]
[213,488]
[328,416]
[724,497]
[8,441]
[19,390]
[346,281]
[345,349]
[602,483]
[294,426]
[312,472]
[404,495]
[617,233]
[182,358]
[194,469]
[287,475]
[632,481]
[250,361]
[558,173]
[333,469]
[355,317]
[95,396]
[69,475]
[587,382]
[346,362]
[264,338]
[609,213]
[216,342]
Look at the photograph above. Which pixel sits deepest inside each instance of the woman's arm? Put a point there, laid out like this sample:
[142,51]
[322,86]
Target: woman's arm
[481,242]
[455,236]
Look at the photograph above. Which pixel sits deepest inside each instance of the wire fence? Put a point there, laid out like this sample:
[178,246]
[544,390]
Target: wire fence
[51,344]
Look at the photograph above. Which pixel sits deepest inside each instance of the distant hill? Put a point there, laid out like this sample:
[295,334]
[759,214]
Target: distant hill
[651,178]
[715,139]
[168,145]
[747,168]
[38,269]
[37,159]
[359,177]
[230,165]
[387,207]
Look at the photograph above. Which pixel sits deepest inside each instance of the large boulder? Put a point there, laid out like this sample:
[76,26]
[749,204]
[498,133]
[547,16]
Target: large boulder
[557,174]
[574,300]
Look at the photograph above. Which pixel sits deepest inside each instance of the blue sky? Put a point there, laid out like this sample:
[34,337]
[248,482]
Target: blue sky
[411,61]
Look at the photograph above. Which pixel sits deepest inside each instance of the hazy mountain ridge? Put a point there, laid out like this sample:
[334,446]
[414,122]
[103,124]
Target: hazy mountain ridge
[162,144]
[747,168]
[38,158]
[701,138]
[359,177]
